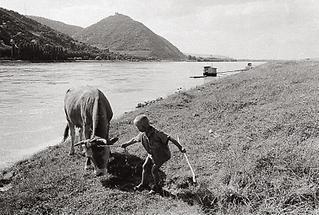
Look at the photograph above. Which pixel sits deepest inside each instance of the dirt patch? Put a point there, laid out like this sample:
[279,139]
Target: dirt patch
[125,172]
[125,166]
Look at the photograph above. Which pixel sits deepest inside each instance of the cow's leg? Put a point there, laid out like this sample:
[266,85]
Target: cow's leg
[72,133]
[87,163]
[86,132]
[81,138]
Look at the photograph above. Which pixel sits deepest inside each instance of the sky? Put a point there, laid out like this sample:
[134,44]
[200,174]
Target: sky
[255,29]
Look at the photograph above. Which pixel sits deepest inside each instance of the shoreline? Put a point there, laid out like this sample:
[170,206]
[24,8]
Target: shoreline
[251,138]
[112,61]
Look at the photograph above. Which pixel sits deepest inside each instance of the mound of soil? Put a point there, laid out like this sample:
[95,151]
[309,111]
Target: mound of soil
[125,172]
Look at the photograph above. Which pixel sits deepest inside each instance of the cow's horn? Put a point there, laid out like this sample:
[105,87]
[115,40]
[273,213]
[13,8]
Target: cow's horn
[96,141]
[83,142]
[99,139]
[107,143]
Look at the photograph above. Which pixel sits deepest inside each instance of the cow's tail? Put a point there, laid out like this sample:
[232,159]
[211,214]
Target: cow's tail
[66,133]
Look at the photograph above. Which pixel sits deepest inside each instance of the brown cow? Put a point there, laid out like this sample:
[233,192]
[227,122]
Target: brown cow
[87,108]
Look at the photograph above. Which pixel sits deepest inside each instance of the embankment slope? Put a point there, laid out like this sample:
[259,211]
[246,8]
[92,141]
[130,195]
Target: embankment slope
[260,157]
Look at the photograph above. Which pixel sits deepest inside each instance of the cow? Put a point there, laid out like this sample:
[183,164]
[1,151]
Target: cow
[88,109]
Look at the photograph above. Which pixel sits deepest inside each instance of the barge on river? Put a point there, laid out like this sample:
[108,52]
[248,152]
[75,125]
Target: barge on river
[210,71]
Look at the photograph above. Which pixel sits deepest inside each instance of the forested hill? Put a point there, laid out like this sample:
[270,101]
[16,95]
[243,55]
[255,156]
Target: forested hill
[26,39]
[59,26]
[122,34]
[36,41]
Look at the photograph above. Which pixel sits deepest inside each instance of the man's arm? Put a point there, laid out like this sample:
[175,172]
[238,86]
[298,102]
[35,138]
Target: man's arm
[176,143]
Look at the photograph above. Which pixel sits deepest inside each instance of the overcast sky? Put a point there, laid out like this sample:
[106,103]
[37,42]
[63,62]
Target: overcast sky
[277,29]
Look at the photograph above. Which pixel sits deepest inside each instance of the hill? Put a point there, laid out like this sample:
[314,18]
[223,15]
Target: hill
[34,41]
[58,26]
[122,34]
[252,139]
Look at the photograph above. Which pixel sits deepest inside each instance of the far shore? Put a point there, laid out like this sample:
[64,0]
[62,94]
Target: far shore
[92,60]
[251,137]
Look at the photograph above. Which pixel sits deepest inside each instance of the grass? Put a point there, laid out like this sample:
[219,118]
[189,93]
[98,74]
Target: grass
[259,158]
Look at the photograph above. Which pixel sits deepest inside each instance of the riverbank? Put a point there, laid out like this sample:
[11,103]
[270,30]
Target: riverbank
[251,138]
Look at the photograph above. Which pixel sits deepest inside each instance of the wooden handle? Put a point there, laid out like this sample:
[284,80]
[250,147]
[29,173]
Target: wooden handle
[189,164]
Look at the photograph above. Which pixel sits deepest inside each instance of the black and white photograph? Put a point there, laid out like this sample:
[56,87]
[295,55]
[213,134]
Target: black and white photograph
[159,107]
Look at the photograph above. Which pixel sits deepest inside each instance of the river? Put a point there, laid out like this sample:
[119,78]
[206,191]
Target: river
[31,95]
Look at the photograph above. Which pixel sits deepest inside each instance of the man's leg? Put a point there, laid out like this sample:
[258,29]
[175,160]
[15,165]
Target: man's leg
[145,171]
[155,173]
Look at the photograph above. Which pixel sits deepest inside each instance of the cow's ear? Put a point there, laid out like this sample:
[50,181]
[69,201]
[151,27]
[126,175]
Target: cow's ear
[100,142]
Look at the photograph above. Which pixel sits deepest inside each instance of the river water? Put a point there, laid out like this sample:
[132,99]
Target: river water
[31,95]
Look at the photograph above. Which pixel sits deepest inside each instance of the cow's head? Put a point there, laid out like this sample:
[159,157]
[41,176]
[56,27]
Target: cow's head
[98,150]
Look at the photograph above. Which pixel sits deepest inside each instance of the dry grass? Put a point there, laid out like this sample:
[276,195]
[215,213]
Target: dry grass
[261,157]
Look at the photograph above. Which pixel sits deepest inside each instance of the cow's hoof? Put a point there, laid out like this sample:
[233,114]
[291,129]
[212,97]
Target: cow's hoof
[140,187]
[100,172]
[88,167]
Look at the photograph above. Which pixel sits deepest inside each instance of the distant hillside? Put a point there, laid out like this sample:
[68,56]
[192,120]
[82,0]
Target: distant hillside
[122,34]
[35,41]
[24,30]
[56,25]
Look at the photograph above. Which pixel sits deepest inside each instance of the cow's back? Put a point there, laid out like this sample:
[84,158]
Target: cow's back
[79,104]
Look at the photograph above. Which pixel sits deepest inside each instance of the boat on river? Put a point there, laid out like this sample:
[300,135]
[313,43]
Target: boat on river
[210,71]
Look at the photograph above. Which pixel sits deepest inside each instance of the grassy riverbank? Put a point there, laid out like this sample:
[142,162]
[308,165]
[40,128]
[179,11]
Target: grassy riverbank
[261,156]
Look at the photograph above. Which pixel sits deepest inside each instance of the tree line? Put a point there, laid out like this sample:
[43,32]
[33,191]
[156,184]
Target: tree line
[34,52]
[37,52]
